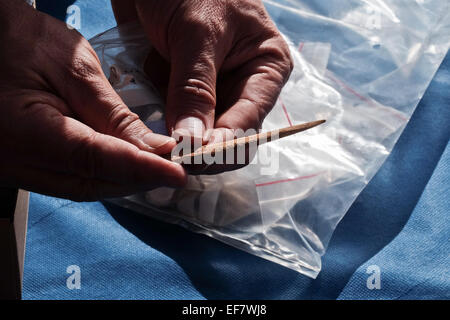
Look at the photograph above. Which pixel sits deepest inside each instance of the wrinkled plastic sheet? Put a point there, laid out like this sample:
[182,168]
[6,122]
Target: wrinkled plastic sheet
[362,65]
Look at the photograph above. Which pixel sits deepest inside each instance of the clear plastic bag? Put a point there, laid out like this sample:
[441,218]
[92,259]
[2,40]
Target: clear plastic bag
[363,65]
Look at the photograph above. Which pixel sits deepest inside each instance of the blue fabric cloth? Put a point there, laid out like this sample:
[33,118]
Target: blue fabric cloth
[399,223]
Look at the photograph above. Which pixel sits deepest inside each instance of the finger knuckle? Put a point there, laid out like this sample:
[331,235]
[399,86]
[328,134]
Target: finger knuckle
[281,60]
[198,94]
[84,65]
[289,62]
[120,120]
[284,56]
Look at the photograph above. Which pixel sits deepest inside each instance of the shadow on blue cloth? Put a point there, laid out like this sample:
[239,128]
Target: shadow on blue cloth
[375,219]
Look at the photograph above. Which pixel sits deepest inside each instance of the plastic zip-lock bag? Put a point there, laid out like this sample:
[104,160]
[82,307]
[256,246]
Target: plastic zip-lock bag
[363,65]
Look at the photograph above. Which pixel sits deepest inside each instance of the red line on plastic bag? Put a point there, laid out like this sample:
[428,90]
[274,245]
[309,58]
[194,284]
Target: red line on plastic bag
[288,180]
[349,89]
[300,46]
[370,102]
[285,112]
[353,91]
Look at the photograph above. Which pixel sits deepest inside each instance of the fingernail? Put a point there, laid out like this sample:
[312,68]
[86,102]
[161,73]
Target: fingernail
[157,141]
[191,126]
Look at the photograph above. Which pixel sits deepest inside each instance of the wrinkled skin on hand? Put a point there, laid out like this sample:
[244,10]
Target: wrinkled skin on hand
[220,64]
[64,130]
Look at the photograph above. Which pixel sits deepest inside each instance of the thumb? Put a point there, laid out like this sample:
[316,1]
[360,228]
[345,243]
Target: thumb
[191,94]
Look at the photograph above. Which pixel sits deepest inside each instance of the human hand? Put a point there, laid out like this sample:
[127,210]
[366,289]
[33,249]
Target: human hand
[221,64]
[64,130]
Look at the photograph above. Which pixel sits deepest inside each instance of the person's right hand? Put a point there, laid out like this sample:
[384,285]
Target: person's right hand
[63,129]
